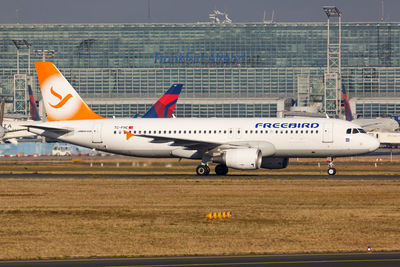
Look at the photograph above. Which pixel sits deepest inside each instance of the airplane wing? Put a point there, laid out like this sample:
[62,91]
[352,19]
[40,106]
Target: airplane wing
[189,143]
[47,128]
[214,148]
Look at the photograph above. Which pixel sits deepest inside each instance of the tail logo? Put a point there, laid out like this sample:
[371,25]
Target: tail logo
[62,102]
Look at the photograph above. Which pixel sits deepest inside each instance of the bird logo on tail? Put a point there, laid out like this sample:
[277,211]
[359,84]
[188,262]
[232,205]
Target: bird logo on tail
[62,100]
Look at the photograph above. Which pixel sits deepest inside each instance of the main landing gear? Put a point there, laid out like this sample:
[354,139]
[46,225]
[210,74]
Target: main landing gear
[221,169]
[203,170]
[331,169]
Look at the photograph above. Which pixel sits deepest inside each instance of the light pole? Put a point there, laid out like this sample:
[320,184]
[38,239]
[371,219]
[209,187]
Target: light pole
[21,81]
[332,77]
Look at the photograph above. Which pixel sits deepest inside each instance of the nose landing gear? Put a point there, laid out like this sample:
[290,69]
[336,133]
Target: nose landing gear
[331,169]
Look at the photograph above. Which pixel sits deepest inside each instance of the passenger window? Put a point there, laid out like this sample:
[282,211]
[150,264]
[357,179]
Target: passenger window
[184,131]
[230,131]
[316,131]
[261,131]
[255,131]
[276,131]
[194,131]
[251,131]
[225,132]
[245,131]
[169,132]
[164,131]
[311,131]
[115,132]
[286,131]
[175,132]
[348,131]
[190,132]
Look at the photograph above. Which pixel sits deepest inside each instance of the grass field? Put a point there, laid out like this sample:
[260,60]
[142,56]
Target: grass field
[46,218]
[128,165]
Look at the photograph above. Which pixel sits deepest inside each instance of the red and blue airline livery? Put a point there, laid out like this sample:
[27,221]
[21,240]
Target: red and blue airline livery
[347,110]
[34,112]
[165,106]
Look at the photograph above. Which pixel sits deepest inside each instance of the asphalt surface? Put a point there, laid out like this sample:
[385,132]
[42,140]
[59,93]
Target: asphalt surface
[211,176]
[334,259]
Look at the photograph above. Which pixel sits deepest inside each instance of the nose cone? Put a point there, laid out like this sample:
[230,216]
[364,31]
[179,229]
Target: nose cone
[374,143]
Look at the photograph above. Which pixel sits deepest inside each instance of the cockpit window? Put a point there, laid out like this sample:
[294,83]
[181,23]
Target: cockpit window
[361,130]
[348,131]
[355,131]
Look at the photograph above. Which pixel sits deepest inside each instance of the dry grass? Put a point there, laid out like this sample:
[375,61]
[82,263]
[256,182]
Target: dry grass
[42,218]
[128,165]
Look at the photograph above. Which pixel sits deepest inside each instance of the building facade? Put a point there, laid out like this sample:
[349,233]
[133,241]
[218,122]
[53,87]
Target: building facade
[228,70]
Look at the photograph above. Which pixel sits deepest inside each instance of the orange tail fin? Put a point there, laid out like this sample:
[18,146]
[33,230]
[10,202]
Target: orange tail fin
[60,99]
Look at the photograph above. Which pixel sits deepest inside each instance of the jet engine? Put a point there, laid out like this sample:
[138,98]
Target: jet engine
[241,158]
[274,163]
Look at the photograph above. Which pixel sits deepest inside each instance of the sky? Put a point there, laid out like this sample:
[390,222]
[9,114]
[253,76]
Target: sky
[179,11]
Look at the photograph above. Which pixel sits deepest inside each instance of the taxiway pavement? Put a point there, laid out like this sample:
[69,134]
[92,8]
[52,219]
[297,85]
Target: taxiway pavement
[333,259]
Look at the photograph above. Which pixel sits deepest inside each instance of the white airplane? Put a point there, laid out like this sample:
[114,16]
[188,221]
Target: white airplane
[239,143]
[369,125]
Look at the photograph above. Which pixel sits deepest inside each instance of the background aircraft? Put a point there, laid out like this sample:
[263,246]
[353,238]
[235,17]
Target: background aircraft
[369,125]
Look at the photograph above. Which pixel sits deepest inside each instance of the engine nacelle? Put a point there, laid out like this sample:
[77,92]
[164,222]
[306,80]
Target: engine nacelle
[2,132]
[274,163]
[242,158]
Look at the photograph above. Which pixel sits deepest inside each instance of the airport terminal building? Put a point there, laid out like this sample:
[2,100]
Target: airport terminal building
[228,70]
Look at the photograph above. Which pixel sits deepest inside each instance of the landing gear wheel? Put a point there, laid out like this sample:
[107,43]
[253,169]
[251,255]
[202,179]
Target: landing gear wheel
[202,170]
[331,171]
[221,169]
[208,170]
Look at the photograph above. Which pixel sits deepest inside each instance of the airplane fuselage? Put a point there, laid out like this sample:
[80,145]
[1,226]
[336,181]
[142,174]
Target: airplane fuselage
[289,137]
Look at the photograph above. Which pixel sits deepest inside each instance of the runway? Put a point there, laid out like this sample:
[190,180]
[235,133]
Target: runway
[334,259]
[185,176]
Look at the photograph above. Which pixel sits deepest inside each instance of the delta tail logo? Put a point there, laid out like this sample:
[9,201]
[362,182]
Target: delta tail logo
[62,102]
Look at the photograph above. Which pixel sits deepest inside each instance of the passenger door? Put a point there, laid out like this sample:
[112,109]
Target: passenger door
[327,134]
[96,133]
